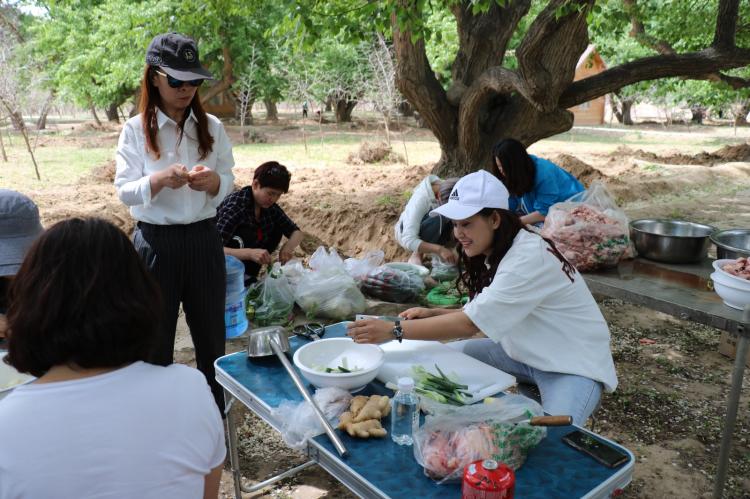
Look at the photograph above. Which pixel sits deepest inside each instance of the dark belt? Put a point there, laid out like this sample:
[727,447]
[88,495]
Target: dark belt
[200,225]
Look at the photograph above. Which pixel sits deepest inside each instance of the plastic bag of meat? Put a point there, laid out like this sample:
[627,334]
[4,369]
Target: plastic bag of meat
[589,229]
[453,438]
[392,285]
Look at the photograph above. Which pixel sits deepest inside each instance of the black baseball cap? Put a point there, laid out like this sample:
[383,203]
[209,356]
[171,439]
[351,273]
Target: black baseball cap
[176,55]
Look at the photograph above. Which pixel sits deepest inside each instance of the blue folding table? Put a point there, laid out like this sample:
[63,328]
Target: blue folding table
[379,468]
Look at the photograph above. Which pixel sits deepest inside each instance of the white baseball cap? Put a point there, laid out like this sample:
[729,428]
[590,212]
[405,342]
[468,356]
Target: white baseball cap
[473,193]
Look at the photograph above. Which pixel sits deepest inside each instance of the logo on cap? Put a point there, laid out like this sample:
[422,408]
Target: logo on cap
[454,195]
[188,55]
[154,60]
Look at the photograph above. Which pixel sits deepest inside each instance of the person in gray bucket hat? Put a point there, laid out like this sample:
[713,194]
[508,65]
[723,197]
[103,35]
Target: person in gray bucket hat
[19,227]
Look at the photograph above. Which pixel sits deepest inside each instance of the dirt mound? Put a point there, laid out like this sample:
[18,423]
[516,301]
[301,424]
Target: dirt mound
[727,154]
[579,169]
[102,174]
[373,153]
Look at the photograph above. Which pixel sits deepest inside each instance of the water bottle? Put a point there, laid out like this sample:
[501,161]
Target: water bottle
[404,413]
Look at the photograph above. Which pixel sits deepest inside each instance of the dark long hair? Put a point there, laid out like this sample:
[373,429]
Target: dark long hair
[150,100]
[519,168]
[474,275]
[81,297]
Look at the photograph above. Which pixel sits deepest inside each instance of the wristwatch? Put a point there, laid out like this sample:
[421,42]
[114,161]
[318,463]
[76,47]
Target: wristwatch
[398,333]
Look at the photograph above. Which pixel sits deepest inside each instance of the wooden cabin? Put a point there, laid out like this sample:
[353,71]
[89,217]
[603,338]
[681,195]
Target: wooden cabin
[591,112]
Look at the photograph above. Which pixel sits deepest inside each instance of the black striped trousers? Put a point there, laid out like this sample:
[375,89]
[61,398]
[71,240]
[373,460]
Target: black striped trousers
[188,263]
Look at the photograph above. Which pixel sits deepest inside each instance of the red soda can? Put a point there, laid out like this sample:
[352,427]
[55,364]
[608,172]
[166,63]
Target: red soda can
[486,479]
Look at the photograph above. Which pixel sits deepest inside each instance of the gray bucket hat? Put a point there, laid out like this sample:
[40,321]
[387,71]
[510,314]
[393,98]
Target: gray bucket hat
[19,227]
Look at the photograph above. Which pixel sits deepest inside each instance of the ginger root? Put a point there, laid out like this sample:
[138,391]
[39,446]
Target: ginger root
[376,407]
[363,417]
[362,429]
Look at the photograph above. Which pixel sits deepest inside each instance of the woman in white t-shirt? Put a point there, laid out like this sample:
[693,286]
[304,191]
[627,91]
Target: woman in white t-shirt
[99,421]
[541,322]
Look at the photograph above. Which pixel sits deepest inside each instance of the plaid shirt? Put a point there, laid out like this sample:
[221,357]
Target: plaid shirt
[236,217]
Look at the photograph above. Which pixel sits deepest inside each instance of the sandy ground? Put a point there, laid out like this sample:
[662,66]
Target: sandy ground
[669,407]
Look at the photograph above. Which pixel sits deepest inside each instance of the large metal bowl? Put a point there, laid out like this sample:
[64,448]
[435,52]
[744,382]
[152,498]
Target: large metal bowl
[670,241]
[732,243]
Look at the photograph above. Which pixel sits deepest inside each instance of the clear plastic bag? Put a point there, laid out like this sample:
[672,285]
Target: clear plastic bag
[328,291]
[298,419]
[276,299]
[393,285]
[443,271]
[294,270]
[359,267]
[589,229]
[455,437]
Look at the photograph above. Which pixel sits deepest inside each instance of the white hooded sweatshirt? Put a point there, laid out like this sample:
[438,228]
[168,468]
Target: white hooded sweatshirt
[422,201]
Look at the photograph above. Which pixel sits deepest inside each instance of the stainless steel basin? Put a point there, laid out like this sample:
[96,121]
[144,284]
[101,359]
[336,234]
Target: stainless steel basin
[732,243]
[670,241]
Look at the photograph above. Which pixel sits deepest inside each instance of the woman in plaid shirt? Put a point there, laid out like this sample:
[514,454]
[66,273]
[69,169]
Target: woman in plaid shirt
[251,224]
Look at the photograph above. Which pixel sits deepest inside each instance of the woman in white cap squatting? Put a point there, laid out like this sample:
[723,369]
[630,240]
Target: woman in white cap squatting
[540,321]
[174,167]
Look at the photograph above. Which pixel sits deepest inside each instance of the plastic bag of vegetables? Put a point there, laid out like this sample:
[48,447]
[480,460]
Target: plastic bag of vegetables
[446,294]
[442,270]
[358,268]
[276,300]
[393,285]
[329,293]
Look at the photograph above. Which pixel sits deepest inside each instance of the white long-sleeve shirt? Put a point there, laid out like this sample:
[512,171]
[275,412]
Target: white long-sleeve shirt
[422,201]
[540,317]
[170,206]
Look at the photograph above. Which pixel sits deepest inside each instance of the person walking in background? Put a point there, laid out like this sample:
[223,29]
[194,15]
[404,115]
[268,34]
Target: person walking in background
[174,167]
[304,109]
[535,184]
[420,233]
[19,227]
[100,421]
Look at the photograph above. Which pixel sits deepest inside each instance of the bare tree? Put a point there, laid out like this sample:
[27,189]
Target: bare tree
[10,93]
[381,87]
[246,89]
[301,81]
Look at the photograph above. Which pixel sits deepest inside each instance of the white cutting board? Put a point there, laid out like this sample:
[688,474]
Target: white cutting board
[483,379]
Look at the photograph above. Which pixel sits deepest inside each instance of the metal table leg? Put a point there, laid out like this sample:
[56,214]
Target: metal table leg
[732,404]
[234,456]
[234,459]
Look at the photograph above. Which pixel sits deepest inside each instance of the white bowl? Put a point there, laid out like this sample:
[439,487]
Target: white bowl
[718,264]
[330,353]
[734,294]
[10,378]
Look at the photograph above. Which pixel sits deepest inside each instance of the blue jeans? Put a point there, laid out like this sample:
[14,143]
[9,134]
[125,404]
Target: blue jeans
[562,394]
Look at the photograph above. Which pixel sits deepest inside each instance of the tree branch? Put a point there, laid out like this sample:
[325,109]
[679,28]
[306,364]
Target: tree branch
[227,76]
[549,52]
[726,24]
[694,65]
[482,39]
[417,82]
[638,31]
[10,25]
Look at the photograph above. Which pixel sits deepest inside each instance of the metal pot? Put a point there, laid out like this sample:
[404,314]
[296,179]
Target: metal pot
[258,344]
[671,241]
[732,243]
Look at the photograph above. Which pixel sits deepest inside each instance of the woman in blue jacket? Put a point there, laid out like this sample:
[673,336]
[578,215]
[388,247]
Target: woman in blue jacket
[534,183]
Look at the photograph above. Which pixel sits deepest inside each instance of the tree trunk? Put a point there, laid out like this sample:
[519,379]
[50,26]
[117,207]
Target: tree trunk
[344,108]
[329,104]
[699,114]
[627,115]
[740,115]
[96,117]
[272,113]
[2,148]
[16,119]
[405,109]
[41,123]
[113,115]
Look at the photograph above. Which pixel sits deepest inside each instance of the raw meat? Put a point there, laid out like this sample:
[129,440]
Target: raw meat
[739,268]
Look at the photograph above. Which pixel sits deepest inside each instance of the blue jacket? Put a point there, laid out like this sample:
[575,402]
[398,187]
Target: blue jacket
[552,185]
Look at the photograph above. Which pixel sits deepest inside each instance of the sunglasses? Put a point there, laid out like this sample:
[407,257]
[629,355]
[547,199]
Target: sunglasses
[175,83]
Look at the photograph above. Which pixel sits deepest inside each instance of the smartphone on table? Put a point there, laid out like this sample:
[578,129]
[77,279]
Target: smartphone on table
[593,447]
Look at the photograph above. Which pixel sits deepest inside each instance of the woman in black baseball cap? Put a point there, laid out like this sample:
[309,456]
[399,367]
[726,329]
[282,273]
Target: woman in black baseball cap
[174,167]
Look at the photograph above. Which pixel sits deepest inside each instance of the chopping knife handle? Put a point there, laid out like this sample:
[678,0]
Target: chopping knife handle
[551,421]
